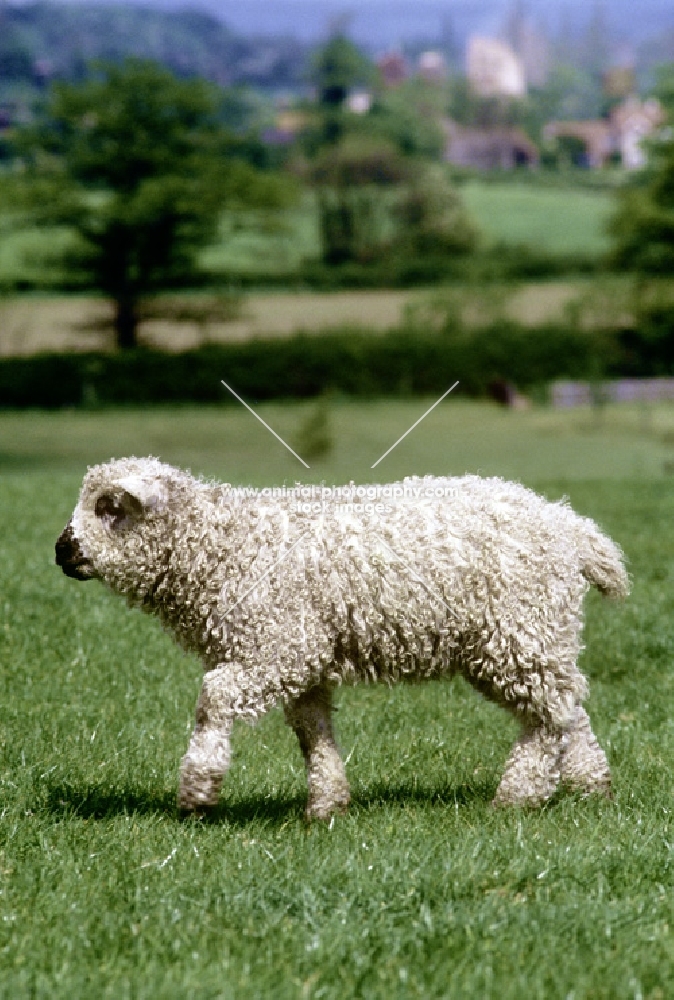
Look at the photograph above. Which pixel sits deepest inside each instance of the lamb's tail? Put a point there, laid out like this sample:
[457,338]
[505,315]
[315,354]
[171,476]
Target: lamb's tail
[602,561]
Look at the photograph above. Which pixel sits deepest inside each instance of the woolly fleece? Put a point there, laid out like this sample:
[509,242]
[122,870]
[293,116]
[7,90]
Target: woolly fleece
[487,580]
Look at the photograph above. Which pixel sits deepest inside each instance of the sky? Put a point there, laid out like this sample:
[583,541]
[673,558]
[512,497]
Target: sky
[389,20]
[386,23]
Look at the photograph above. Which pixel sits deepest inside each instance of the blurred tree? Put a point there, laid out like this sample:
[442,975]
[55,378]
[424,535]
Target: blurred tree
[350,178]
[410,116]
[643,224]
[15,60]
[432,219]
[643,242]
[596,51]
[314,439]
[336,68]
[137,162]
[373,200]
[569,93]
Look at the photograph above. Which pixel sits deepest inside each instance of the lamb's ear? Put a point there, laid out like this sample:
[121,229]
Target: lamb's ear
[150,495]
[117,511]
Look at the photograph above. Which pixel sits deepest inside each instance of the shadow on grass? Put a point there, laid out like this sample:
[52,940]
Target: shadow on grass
[410,793]
[104,802]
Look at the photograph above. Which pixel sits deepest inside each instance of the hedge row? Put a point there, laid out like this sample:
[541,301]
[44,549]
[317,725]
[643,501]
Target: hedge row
[503,262]
[359,364]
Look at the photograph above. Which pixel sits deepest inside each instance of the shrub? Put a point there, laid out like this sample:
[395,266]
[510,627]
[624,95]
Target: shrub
[402,361]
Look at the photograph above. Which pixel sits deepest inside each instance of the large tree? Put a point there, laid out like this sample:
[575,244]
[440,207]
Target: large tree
[373,200]
[337,67]
[643,225]
[643,243]
[137,162]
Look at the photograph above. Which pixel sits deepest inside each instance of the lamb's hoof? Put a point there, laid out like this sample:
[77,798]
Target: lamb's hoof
[198,798]
[195,812]
[197,809]
[503,801]
[602,788]
[325,811]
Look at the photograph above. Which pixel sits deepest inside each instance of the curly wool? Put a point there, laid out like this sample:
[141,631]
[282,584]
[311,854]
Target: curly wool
[487,579]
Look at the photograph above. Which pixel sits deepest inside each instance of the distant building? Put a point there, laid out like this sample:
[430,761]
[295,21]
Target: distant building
[432,67]
[533,50]
[619,81]
[493,69]
[595,138]
[564,395]
[497,148]
[292,120]
[619,136]
[634,121]
[289,123]
[529,44]
[393,69]
[359,102]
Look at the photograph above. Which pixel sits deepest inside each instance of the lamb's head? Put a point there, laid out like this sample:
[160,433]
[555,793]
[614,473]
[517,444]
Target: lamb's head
[121,529]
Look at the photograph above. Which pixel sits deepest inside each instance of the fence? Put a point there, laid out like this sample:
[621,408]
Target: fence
[564,395]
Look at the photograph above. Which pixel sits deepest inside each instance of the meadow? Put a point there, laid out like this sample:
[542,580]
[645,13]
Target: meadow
[555,219]
[423,889]
[30,324]
[558,220]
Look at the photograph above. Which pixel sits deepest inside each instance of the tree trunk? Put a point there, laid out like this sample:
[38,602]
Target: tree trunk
[126,324]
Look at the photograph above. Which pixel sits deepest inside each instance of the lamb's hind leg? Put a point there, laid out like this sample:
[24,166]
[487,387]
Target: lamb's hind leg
[310,716]
[533,770]
[207,759]
[583,764]
[547,699]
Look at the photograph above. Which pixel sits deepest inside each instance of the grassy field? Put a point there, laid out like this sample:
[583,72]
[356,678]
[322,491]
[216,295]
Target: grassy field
[557,220]
[554,219]
[30,324]
[541,445]
[422,890]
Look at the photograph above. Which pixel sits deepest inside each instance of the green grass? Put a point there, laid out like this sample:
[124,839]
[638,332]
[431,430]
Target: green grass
[33,323]
[557,220]
[539,445]
[422,890]
[566,221]
[31,255]
[265,243]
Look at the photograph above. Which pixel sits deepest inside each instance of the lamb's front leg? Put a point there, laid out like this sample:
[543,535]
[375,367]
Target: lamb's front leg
[207,759]
[310,716]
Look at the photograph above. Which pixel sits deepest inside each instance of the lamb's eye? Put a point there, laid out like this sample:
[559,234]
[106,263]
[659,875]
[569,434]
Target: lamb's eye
[109,509]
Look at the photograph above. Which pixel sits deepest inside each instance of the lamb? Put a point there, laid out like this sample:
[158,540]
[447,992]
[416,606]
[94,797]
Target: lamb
[446,575]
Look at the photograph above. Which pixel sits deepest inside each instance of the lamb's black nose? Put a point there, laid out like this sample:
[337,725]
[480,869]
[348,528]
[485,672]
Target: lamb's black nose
[65,546]
[69,556]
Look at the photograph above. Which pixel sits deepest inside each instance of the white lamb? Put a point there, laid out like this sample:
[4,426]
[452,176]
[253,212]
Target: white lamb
[486,579]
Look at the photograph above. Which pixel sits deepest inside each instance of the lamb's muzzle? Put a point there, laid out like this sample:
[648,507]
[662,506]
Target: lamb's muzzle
[69,556]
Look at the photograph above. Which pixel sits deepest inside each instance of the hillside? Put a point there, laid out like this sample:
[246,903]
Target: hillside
[264,42]
[46,39]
